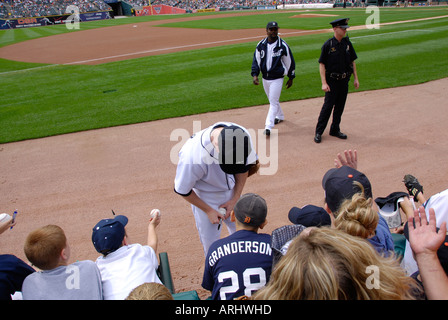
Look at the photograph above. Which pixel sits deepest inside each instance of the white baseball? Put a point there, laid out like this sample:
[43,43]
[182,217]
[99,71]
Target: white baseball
[222,211]
[4,217]
[155,213]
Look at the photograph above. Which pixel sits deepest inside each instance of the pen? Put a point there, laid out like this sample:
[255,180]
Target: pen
[13,218]
[222,211]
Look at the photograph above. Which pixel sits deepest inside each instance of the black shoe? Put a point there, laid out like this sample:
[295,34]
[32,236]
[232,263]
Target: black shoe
[317,138]
[339,135]
[267,132]
[277,120]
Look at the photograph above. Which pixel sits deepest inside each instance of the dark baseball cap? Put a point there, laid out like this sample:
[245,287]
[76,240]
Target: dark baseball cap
[251,209]
[309,216]
[234,148]
[338,184]
[272,24]
[341,23]
[108,234]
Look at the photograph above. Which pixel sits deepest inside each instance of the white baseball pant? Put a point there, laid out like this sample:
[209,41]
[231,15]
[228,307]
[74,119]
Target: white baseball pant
[208,232]
[273,89]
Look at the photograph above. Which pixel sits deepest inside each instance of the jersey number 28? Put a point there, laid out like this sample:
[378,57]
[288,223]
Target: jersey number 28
[248,285]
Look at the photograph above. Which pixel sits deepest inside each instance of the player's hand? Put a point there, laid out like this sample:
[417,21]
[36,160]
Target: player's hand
[214,216]
[256,81]
[289,84]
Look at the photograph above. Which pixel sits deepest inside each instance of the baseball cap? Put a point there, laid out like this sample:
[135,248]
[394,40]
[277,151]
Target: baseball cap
[341,23]
[108,234]
[338,185]
[234,148]
[272,24]
[309,216]
[251,209]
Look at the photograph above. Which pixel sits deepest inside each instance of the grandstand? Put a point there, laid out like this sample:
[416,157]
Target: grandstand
[10,9]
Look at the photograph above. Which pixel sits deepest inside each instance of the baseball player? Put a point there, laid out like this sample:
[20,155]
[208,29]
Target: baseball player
[274,59]
[241,263]
[211,173]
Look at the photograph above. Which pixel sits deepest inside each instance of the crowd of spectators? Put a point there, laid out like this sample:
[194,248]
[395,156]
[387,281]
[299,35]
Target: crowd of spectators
[38,8]
[328,257]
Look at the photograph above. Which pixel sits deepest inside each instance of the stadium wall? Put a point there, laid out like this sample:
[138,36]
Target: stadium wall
[158,9]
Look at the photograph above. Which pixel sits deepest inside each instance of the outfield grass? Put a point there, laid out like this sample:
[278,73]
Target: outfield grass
[41,100]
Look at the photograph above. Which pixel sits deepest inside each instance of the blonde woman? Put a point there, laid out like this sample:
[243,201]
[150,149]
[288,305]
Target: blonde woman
[358,217]
[329,264]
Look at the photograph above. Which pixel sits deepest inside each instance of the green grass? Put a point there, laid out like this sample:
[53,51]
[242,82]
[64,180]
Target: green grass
[42,100]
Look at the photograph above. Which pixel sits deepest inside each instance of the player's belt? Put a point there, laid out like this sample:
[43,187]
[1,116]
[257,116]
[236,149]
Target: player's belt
[339,76]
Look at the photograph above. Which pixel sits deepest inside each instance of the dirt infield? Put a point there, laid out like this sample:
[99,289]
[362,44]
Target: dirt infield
[74,180]
[128,41]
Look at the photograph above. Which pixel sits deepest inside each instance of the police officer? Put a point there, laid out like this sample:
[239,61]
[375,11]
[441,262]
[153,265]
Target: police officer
[336,64]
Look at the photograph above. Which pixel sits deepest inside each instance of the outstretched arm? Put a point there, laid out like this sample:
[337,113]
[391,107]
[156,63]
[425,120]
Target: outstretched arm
[425,241]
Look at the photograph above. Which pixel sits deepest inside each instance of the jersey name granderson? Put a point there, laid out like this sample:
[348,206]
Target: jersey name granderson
[239,247]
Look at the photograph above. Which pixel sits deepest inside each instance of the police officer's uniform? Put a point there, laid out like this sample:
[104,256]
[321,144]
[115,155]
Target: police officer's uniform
[338,59]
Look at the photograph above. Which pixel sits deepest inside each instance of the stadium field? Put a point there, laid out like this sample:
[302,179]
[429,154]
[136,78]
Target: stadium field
[41,100]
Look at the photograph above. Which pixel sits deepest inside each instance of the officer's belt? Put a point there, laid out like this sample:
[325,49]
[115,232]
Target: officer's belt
[339,76]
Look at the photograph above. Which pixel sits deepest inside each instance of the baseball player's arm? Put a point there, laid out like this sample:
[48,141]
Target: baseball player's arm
[323,78]
[240,181]
[355,76]
[256,68]
[212,214]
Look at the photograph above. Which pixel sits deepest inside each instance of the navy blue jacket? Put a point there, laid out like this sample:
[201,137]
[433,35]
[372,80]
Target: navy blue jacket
[283,63]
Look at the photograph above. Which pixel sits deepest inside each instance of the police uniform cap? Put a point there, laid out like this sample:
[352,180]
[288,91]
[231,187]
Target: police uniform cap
[341,23]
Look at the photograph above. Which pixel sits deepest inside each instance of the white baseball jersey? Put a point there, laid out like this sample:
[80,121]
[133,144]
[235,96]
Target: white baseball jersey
[198,170]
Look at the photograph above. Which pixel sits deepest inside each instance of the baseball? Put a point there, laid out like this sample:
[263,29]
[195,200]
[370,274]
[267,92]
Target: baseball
[222,211]
[154,213]
[4,217]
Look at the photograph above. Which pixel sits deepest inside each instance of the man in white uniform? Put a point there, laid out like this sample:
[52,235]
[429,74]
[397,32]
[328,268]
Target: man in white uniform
[274,59]
[211,173]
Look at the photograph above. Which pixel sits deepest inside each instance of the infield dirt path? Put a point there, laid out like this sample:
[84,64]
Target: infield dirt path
[74,180]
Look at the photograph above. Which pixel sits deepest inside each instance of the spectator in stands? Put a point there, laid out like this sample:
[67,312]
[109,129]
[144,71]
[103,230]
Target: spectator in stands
[13,270]
[150,291]
[426,242]
[342,183]
[124,266]
[337,266]
[240,263]
[47,249]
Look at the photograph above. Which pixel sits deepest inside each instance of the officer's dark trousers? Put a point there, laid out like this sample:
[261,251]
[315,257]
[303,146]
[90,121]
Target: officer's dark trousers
[334,99]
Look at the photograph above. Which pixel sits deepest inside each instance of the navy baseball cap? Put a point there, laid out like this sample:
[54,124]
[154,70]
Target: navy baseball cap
[272,24]
[338,186]
[108,234]
[341,23]
[309,216]
[251,209]
[234,148]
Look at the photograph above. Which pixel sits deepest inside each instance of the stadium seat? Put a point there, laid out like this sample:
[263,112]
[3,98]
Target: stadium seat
[164,273]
